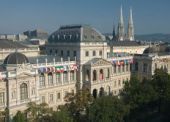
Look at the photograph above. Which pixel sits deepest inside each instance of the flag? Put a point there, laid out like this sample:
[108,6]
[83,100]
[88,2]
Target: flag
[59,69]
[73,67]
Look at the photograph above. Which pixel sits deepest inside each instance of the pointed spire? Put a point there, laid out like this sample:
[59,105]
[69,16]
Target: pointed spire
[121,26]
[130,31]
[130,17]
[121,16]
[114,33]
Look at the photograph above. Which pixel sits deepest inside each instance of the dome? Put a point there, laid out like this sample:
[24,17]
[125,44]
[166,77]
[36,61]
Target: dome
[157,49]
[16,58]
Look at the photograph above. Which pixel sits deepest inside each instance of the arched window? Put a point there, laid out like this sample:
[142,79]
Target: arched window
[87,75]
[94,53]
[23,91]
[50,78]
[42,80]
[94,75]
[95,93]
[101,77]
[136,66]
[108,73]
[101,92]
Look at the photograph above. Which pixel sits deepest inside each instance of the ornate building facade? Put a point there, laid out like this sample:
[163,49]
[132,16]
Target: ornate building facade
[78,57]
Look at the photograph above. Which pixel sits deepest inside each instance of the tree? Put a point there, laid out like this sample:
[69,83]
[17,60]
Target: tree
[32,111]
[107,109]
[140,96]
[38,112]
[61,115]
[19,117]
[78,103]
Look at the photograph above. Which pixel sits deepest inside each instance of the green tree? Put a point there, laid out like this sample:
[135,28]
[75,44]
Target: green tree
[61,115]
[141,97]
[107,109]
[32,111]
[78,103]
[161,84]
[19,117]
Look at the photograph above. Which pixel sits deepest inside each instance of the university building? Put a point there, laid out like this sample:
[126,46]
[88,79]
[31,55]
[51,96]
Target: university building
[78,57]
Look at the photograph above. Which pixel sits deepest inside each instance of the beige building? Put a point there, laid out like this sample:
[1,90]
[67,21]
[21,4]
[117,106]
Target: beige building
[7,47]
[78,57]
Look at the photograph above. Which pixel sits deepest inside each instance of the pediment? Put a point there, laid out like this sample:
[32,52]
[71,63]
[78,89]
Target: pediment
[98,62]
[24,74]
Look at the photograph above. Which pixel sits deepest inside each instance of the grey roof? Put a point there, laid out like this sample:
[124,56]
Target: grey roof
[43,58]
[163,48]
[16,58]
[76,33]
[10,44]
[125,43]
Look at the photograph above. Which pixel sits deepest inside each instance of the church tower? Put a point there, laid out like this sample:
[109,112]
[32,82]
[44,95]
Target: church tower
[130,31]
[120,29]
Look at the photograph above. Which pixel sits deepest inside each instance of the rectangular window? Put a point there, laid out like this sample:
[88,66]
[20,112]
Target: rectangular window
[119,69]
[50,79]
[1,98]
[72,76]
[65,93]
[115,68]
[58,96]
[13,94]
[42,80]
[123,68]
[68,53]
[127,67]
[100,53]
[62,53]
[145,67]
[58,77]
[87,53]
[51,98]
[75,54]
[94,53]
[119,83]
[42,99]
[65,76]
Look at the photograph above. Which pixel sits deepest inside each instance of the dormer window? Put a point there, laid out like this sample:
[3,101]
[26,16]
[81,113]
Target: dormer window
[77,36]
[70,36]
[58,36]
[85,36]
[53,36]
[92,36]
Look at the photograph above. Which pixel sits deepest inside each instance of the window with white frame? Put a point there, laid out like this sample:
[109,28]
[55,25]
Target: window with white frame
[58,96]
[42,80]
[72,75]
[1,98]
[51,98]
[58,77]
[50,78]
[23,91]
[65,76]
[42,99]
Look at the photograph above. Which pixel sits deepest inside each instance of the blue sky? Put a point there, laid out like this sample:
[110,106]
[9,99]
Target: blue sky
[150,16]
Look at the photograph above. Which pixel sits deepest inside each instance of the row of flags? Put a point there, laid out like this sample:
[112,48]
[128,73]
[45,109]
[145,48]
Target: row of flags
[123,62]
[58,68]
